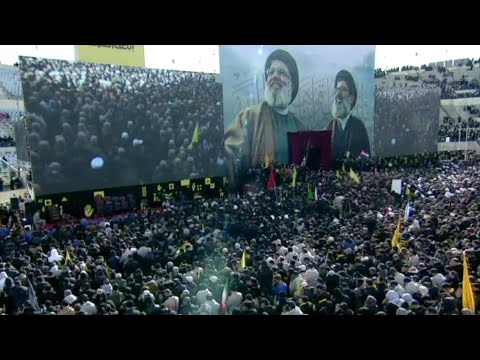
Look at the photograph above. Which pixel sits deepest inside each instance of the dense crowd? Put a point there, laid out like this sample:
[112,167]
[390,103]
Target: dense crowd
[406,120]
[119,126]
[453,83]
[7,141]
[459,130]
[265,253]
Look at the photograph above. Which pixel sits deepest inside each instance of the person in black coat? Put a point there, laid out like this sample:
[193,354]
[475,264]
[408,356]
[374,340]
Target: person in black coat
[349,134]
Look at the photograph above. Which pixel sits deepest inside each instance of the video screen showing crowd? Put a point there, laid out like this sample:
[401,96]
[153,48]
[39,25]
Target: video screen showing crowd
[103,126]
[406,120]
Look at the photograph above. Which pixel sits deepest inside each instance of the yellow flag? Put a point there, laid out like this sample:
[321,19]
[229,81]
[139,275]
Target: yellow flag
[396,236]
[244,259]
[339,175]
[267,162]
[67,258]
[408,192]
[195,137]
[108,271]
[354,176]
[468,298]
[88,210]
[294,179]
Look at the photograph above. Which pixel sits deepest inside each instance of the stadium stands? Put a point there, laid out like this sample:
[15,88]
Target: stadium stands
[10,82]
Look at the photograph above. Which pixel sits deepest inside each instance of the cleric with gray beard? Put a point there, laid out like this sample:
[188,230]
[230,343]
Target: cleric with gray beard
[259,134]
[349,135]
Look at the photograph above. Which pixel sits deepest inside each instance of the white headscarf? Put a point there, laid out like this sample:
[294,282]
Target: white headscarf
[407,298]
[3,276]
[54,256]
[393,297]
[107,288]
[423,290]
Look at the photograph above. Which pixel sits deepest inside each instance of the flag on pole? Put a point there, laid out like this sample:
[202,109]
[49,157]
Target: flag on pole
[267,162]
[304,161]
[305,157]
[223,308]
[468,297]
[365,154]
[310,194]
[354,176]
[396,236]
[409,191]
[244,259]
[271,181]
[67,257]
[316,194]
[196,137]
[294,177]
[32,297]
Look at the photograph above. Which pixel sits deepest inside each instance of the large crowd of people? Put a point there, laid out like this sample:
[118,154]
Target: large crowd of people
[454,82]
[264,252]
[459,130]
[119,126]
[406,120]
[463,128]
[7,141]
[319,243]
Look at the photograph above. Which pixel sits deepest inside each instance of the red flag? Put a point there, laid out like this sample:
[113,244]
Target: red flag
[271,181]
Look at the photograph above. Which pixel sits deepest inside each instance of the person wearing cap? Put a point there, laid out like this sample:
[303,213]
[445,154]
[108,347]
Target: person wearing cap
[349,134]
[261,132]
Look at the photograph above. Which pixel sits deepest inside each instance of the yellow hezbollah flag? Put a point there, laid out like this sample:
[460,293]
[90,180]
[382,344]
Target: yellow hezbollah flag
[294,179]
[129,55]
[468,298]
[408,191]
[396,236]
[195,137]
[88,210]
[267,162]
[244,259]
[67,258]
[354,176]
